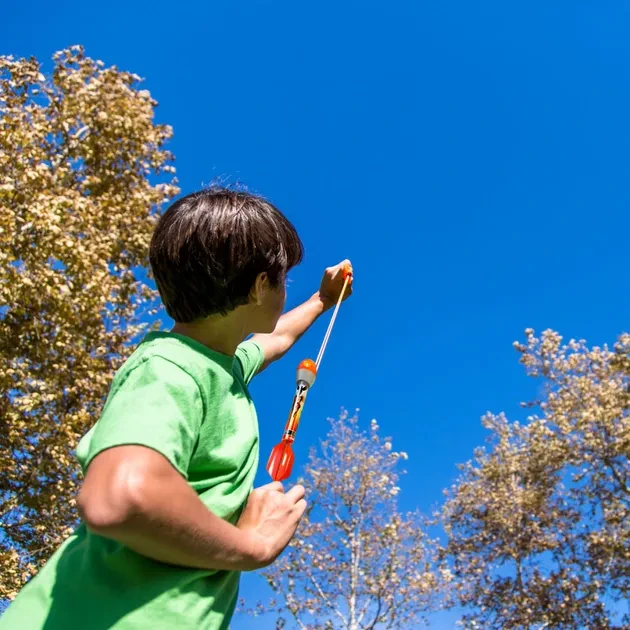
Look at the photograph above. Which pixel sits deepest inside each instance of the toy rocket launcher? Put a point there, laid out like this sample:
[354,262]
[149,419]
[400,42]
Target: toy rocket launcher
[281,459]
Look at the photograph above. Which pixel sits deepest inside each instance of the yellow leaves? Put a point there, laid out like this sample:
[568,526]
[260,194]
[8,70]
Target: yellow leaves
[555,483]
[72,204]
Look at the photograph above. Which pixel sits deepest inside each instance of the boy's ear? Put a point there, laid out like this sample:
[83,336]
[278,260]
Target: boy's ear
[261,286]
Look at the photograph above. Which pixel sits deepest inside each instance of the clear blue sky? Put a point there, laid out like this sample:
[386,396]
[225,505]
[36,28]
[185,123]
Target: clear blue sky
[470,158]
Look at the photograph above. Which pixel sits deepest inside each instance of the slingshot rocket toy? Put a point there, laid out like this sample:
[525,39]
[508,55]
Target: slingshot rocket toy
[281,459]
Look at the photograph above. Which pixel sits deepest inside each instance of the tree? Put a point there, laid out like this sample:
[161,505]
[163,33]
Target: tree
[539,523]
[356,561]
[80,156]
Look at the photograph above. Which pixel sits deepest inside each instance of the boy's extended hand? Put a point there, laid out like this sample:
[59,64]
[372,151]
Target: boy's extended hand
[293,325]
[332,284]
[271,518]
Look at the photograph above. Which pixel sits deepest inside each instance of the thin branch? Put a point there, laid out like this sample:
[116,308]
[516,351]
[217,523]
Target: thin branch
[354,572]
[392,621]
[321,593]
[298,620]
[364,610]
[388,574]
[617,476]
[293,609]
[379,607]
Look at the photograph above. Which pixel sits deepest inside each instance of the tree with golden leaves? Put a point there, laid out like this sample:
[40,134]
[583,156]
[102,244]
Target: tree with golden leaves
[80,164]
[356,561]
[539,523]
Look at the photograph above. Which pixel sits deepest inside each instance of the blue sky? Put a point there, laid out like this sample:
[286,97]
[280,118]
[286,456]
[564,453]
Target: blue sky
[471,159]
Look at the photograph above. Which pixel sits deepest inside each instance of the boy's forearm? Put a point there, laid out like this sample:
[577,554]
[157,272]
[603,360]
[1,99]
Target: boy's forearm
[297,321]
[163,518]
[291,326]
[180,530]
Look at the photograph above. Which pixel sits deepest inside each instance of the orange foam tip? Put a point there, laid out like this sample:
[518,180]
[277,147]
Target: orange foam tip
[347,271]
[308,364]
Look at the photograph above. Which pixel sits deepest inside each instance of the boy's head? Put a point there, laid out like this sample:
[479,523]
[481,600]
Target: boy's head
[218,249]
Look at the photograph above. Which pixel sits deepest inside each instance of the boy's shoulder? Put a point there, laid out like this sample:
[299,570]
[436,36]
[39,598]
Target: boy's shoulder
[192,357]
[174,351]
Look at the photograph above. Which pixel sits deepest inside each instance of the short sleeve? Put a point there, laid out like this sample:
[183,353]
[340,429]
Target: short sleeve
[157,405]
[251,357]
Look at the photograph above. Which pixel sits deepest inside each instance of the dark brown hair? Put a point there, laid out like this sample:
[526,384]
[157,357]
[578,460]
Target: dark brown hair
[208,248]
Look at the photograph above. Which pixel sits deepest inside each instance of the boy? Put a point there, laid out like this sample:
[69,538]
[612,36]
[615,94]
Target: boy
[168,517]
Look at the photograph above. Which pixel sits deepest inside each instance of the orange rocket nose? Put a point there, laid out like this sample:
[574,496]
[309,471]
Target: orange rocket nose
[309,365]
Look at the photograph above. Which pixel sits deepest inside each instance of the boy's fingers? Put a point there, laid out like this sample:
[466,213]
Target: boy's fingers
[296,493]
[346,264]
[339,266]
[300,508]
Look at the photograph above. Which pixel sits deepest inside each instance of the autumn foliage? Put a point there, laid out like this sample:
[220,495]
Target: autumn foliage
[536,529]
[357,561]
[538,524]
[80,158]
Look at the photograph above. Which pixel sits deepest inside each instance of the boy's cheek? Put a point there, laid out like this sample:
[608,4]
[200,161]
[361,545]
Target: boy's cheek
[279,299]
[272,311]
[277,313]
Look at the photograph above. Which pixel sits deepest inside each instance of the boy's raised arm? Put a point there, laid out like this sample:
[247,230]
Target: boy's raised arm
[292,325]
[133,495]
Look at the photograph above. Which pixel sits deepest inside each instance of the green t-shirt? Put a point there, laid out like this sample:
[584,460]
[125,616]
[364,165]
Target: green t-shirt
[191,405]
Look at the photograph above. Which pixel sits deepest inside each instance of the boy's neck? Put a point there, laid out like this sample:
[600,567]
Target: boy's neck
[221,333]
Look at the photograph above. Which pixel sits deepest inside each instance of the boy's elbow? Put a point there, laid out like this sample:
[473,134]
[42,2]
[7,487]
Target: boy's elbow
[108,507]
[101,516]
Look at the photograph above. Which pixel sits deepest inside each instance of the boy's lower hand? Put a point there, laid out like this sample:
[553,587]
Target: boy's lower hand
[270,519]
[332,284]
